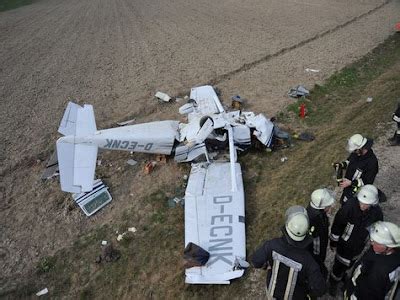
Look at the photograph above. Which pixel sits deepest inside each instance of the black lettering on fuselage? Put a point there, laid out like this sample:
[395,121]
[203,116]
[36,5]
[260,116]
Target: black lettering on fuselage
[126,145]
[116,144]
[219,231]
[109,143]
[227,230]
[219,244]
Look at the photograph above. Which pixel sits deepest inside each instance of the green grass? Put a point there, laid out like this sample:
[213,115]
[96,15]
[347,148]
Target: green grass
[150,264]
[12,4]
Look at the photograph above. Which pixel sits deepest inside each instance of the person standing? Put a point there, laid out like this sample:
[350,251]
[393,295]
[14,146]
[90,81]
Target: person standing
[361,166]
[292,273]
[320,205]
[349,231]
[376,275]
[395,140]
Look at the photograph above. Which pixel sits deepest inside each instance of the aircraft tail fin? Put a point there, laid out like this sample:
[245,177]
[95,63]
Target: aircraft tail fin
[77,162]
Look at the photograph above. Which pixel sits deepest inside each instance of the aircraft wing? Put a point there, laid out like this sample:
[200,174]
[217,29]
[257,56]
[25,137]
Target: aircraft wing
[214,220]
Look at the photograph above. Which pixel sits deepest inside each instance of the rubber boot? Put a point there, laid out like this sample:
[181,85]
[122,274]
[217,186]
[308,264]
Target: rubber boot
[333,287]
[396,140]
[393,138]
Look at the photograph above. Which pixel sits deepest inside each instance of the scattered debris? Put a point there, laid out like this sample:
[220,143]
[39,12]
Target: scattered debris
[42,292]
[237,102]
[51,167]
[186,98]
[109,254]
[120,237]
[369,99]
[304,136]
[282,138]
[175,202]
[99,162]
[283,159]
[91,202]
[132,229]
[312,70]
[149,167]
[126,122]
[298,91]
[240,263]
[131,162]
[185,177]
[161,158]
[178,99]
[163,97]
[104,243]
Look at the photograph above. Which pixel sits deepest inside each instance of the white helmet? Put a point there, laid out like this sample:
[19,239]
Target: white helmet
[297,223]
[322,198]
[356,142]
[368,194]
[385,233]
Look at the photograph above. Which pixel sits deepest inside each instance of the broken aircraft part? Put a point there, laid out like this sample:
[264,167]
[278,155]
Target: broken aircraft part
[214,198]
[91,202]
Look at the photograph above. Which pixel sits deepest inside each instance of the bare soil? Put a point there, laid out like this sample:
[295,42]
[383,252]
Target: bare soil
[116,55]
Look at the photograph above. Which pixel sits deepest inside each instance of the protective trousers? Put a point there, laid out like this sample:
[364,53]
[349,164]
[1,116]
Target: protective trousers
[340,266]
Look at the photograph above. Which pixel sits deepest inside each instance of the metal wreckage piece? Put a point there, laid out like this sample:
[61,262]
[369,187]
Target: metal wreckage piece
[214,198]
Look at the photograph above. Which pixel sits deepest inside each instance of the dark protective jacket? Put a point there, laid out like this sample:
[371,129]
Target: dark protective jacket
[396,115]
[291,261]
[349,230]
[319,223]
[361,170]
[374,277]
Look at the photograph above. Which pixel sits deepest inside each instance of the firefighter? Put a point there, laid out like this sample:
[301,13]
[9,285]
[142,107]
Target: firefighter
[395,140]
[349,231]
[376,275]
[320,205]
[292,273]
[361,166]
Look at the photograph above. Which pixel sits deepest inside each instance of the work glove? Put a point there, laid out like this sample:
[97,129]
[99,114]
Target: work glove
[356,184]
[342,165]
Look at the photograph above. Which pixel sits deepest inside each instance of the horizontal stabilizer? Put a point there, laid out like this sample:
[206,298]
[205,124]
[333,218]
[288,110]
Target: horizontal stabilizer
[77,120]
[77,164]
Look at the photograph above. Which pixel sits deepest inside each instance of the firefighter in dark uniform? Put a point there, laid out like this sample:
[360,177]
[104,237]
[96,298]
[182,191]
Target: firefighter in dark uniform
[349,232]
[395,140]
[376,275]
[320,205]
[361,166]
[292,273]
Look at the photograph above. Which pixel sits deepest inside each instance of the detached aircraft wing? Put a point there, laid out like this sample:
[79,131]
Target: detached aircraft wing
[214,220]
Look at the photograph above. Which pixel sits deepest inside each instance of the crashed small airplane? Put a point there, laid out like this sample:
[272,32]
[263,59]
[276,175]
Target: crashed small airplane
[214,198]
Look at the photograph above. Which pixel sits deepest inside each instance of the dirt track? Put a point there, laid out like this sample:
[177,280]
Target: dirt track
[117,54]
